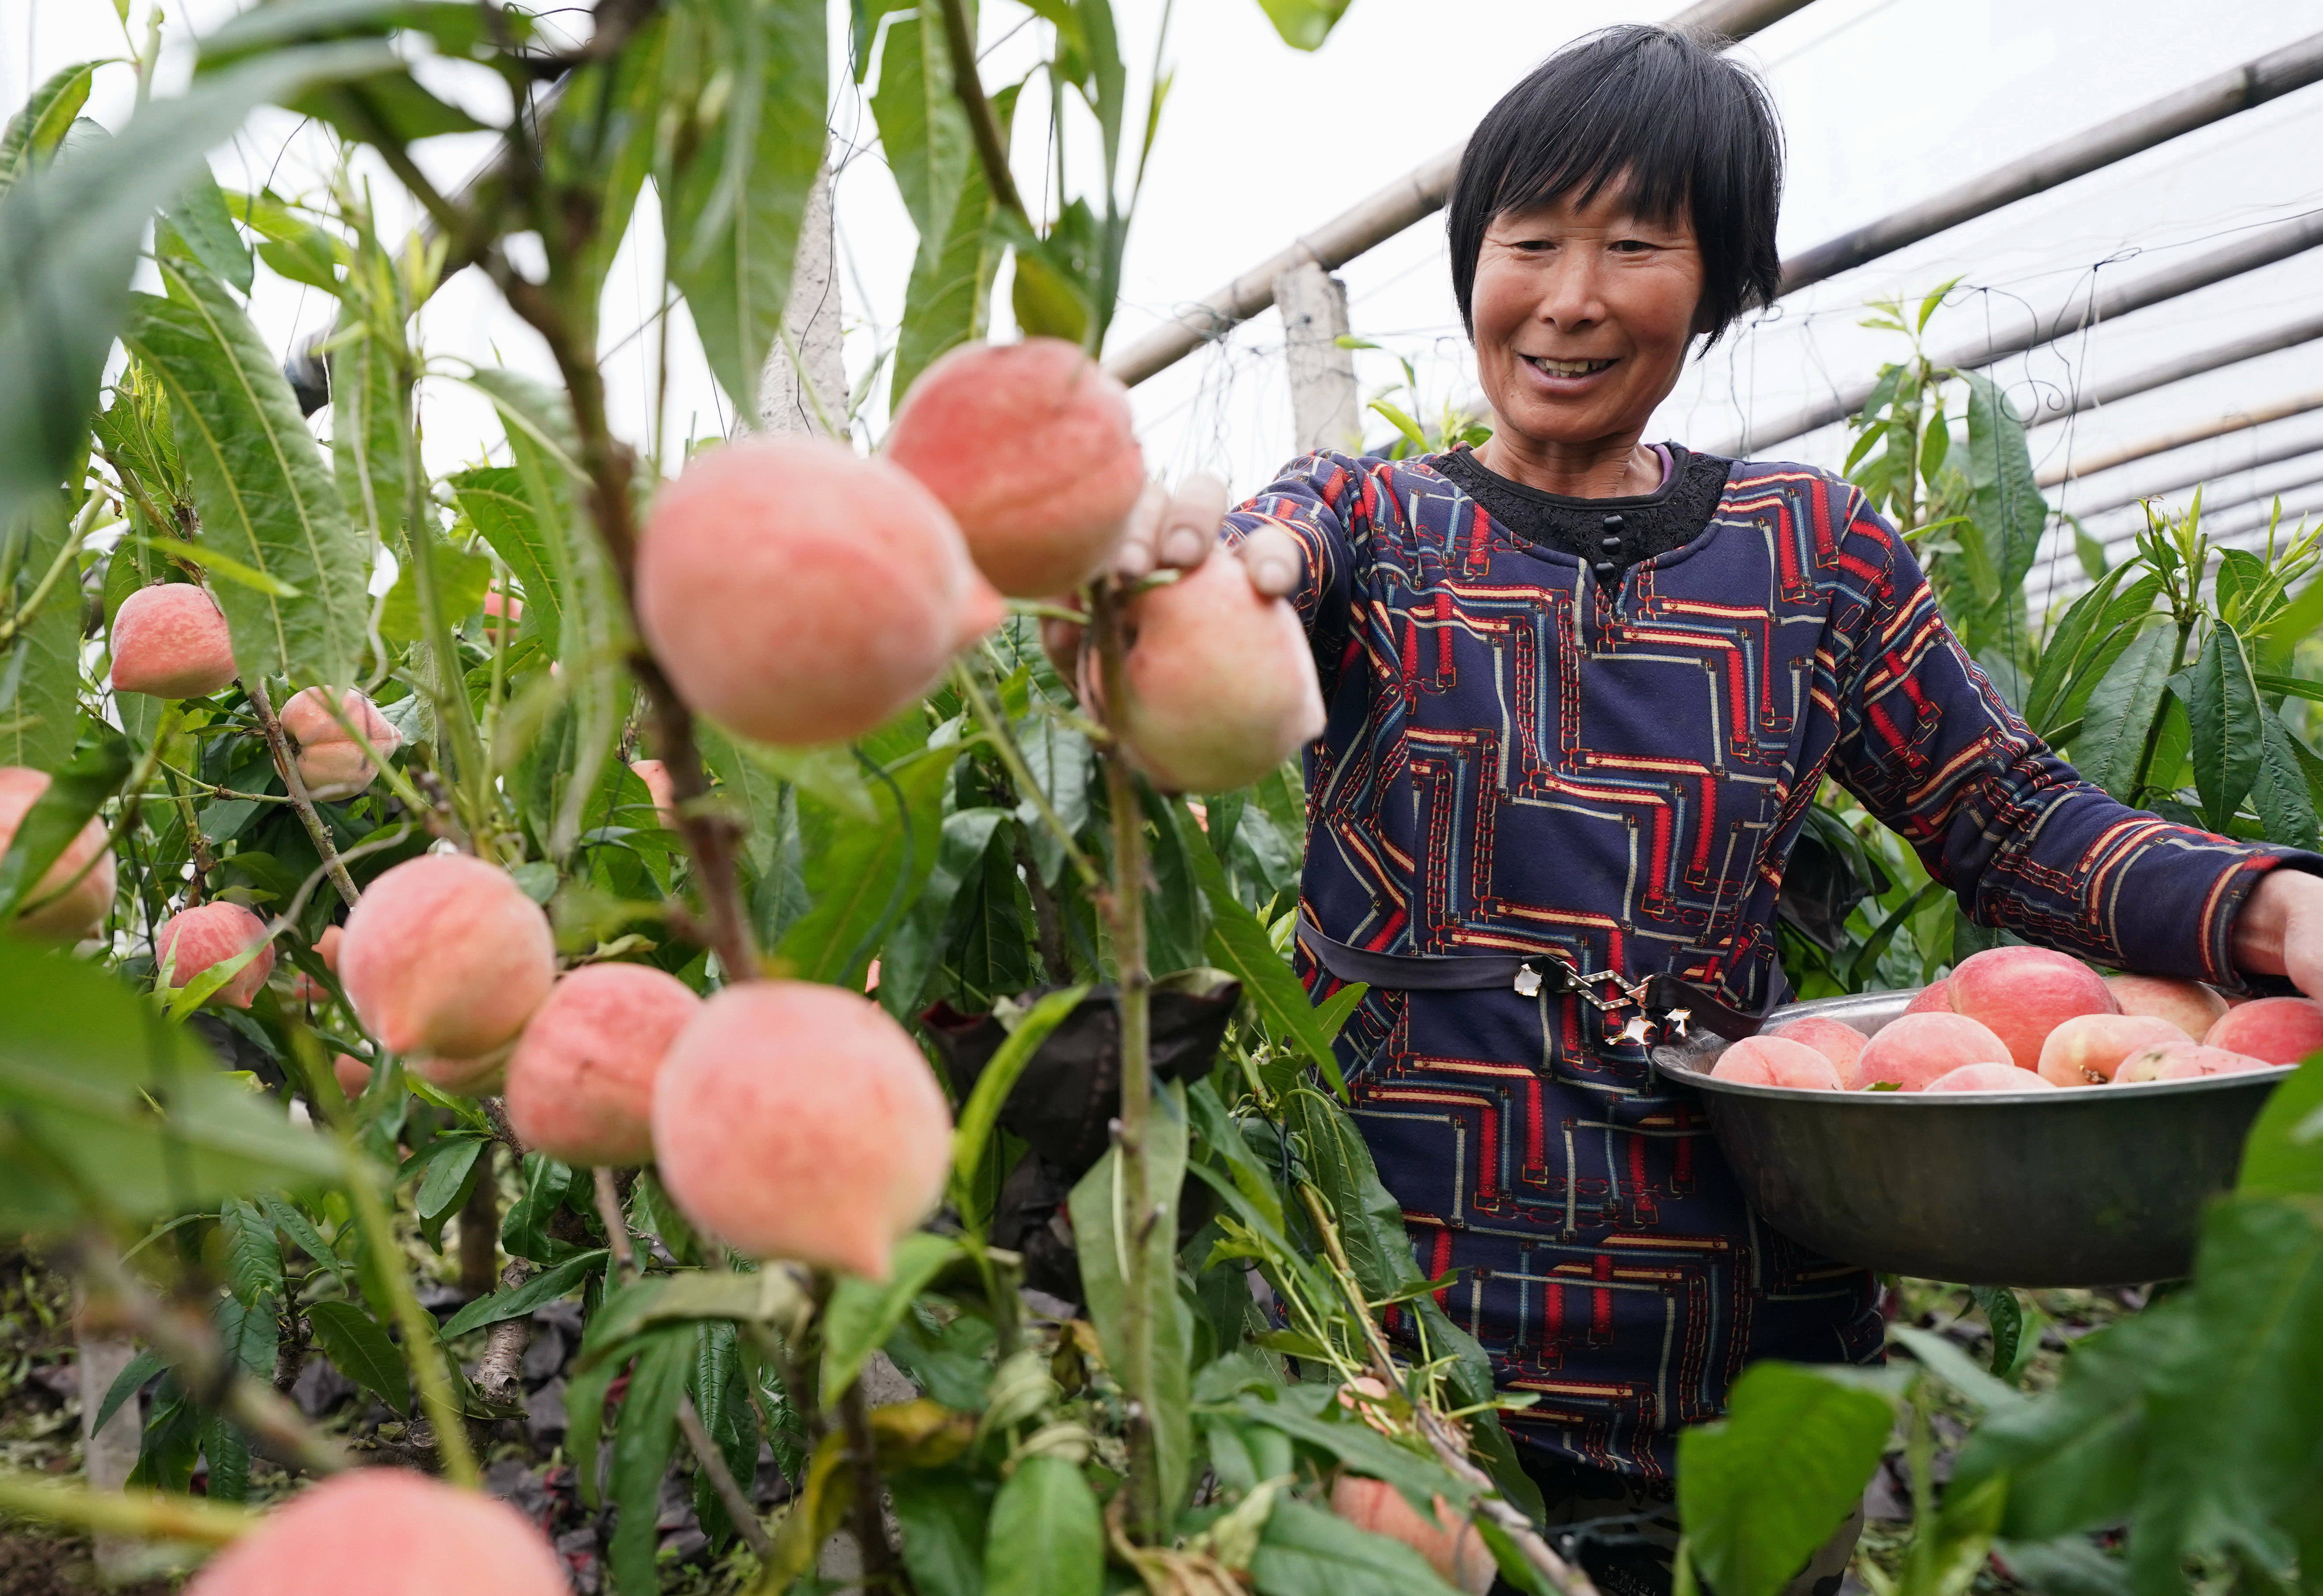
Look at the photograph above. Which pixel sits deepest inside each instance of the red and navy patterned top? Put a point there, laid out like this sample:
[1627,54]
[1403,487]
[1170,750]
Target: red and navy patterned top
[1521,757]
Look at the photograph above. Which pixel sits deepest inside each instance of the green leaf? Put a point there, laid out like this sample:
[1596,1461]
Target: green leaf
[977,1115]
[864,1313]
[2285,805]
[494,499]
[641,1449]
[2283,1154]
[301,1230]
[462,580]
[518,1301]
[140,1369]
[860,878]
[733,213]
[1299,1413]
[1238,943]
[1760,1490]
[40,709]
[943,1513]
[2006,508]
[948,300]
[37,127]
[2229,726]
[1046,1536]
[70,234]
[915,947]
[206,228]
[370,431]
[923,128]
[216,562]
[443,1181]
[360,1349]
[253,1257]
[2121,710]
[1305,1550]
[1304,24]
[1103,1213]
[2233,1465]
[265,497]
[2086,641]
[64,808]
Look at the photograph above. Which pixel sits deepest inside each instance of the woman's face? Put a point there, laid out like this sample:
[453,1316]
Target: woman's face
[1583,314]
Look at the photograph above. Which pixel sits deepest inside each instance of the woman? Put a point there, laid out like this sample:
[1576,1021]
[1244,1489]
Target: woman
[1582,691]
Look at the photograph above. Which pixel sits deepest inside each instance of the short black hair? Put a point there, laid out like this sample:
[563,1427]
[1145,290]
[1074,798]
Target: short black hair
[1657,109]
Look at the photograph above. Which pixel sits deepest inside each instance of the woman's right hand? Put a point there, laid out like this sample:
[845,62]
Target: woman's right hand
[1170,531]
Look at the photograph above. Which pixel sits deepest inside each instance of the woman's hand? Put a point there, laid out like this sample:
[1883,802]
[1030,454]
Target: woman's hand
[1175,532]
[2279,931]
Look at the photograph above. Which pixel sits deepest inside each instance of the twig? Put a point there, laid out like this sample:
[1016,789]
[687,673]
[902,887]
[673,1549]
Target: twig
[881,1569]
[1444,1439]
[968,87]
[147,1515]
[616,1223]
[288,764]
[713,1462]
[189,1346]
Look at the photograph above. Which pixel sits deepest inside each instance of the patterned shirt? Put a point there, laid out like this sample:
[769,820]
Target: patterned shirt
[1520,757]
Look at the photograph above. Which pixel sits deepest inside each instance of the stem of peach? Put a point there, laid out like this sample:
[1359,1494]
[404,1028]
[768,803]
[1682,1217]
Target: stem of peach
[1125,913]
[288,764]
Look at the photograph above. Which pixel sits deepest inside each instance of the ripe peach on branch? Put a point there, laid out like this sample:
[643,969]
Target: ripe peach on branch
[386,1532]
[1452,1544]
[192,940]
[580,1085]
[171,641]
[446,956]
[1030,446]
[332,765]
[81,911]
[798,593]
[792,1120]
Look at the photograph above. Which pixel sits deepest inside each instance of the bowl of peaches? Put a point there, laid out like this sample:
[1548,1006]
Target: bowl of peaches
[2024,1122]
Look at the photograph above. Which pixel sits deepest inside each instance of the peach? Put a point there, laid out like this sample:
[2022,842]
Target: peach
[2086,1050]
[792,1120]
[655,777]
[580,1085]
[352,1074]
[1222,685]
[1991,1078]
[1770,1060]
[2278,1030]
[445,955]
[304,987]
[498,604]
[1931,999]
[80,911]
[332,765]
[798,593]
[193,940]
[1912,1050]
[2183,1060]
[171,641]
[1841,1044]
[1450,1542]
[2148,1062]
[461,1078]
[2023,994]
[1030,448]
[386,1532]
[2189,1005]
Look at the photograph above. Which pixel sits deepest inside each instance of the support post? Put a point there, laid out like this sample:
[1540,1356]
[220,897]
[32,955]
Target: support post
[1324,409]
[804,387]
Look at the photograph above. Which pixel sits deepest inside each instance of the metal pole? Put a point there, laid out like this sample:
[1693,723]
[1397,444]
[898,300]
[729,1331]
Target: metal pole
[2240,421]
[2259,511]
[2273,454]
[2232,498]
[2254,83]
[1413,198]
[2210,358]
[2261,246]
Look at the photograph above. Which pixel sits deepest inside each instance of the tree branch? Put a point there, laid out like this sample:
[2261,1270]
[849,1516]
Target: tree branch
[288,764]
[991,150]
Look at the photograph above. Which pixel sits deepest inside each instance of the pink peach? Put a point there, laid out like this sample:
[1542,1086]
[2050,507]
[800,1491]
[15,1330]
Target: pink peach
[171,641]
[1450,1542]
[2023,994]
[2086,1050]
[2278,1030]
[1030,448]
[352,1074]
[580,1085]
[1931,999]
[80,911]
[792,1120]
[332,765]
[1222,686]
[1912,1050]
[1991,1078]
[1769,1060]
[461,1078]
[386,1532]
[193,940]
[655,777]
[445,955]
[1841,1044]
[2189,1005]
[799,593]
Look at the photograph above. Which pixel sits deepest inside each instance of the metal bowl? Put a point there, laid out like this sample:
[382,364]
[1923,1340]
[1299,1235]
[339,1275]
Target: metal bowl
[2094,1187]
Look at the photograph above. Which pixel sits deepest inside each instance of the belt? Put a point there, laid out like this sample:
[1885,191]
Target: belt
[1661,1000]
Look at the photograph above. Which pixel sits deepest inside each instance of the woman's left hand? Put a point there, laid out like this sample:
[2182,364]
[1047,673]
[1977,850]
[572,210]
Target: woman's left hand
[2279,931]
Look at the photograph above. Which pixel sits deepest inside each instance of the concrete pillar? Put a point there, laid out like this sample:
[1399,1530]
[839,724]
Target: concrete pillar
[1324,408]
[810,320]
